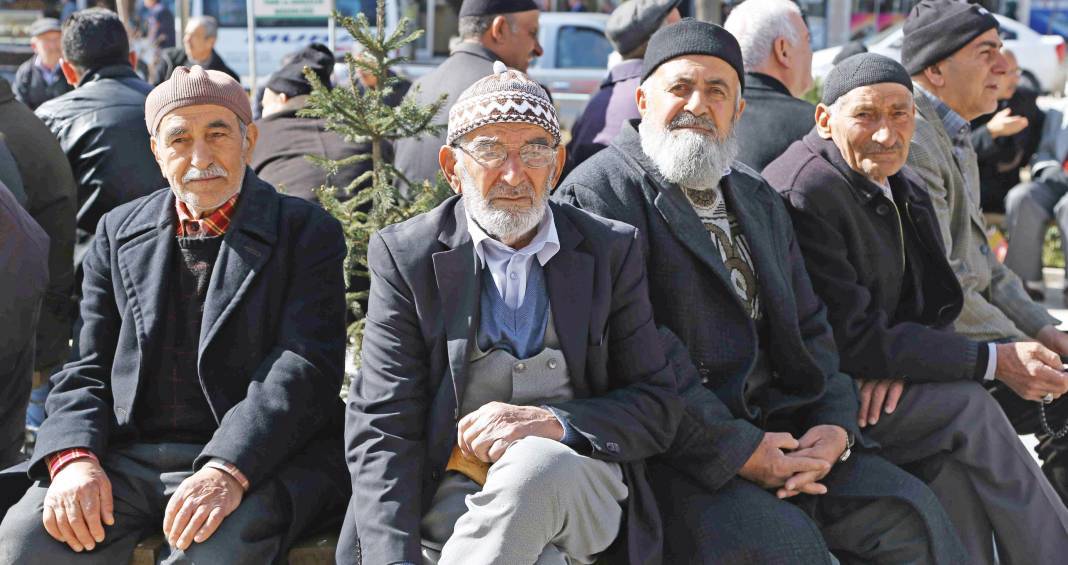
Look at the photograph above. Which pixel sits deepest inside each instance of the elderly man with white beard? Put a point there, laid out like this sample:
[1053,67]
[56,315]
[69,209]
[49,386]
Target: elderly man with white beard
[769,439]
[512,380]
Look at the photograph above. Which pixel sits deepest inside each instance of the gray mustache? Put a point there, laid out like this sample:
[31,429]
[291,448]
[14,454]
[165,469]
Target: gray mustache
[687,119]
[212,171]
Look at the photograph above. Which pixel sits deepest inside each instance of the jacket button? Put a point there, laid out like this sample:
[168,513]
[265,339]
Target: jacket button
[882,209]
[984,248]
[552,364]
[520,367]
[435,475]
[612,447]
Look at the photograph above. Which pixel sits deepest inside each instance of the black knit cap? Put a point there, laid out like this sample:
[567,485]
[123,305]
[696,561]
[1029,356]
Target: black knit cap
[848,50]
[936,29]
[290,79]
[692,37]
[864,69]
[494,7]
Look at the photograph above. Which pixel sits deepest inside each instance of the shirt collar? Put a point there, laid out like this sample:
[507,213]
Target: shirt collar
[209,225]
[545,245]
[956,126]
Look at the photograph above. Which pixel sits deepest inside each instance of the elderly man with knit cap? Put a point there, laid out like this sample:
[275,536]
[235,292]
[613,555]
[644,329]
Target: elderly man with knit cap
[870,239]
[952,51]
[204,401]
[769,441]
[512,379]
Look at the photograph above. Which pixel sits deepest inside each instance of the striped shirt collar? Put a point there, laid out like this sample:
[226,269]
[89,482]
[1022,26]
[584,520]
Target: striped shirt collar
[213,224]
[957,127]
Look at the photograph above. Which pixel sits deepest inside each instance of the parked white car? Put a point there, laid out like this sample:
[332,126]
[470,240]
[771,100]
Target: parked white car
[1041,57]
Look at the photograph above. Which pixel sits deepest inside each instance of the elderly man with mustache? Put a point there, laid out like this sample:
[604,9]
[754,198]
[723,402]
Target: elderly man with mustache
[204,401]
[769,440]
[869,235]
[512,379]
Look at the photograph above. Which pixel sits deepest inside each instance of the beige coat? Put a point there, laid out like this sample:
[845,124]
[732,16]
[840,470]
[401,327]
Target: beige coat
[996,306]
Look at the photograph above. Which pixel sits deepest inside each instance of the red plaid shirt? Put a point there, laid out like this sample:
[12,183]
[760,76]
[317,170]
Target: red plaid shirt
[212,225]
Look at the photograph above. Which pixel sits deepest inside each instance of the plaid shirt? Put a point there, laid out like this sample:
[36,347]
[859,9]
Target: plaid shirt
[212,225]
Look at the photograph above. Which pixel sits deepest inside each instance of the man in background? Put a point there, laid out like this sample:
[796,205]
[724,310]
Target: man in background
[39,78]
[198,48]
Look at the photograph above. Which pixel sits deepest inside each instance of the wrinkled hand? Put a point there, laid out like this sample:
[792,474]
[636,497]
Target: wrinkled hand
[1054,339]
[78,505]
[1030,370]
[1004,124]
[199,506]
[770,466]
[877,396]
[825,443]
[486,433]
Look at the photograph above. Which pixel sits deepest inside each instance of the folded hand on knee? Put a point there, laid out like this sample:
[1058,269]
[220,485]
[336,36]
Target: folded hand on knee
[199,505]
[488,432]
[770,466]
[78,505]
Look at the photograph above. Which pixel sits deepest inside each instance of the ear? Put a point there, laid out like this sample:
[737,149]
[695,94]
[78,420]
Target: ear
[252,134]
[741,107]
[823,121]
[498,29]
[447,162]
[780,49]
[642,100]
[69,72]
[133,60]
[934,75]
[561,160]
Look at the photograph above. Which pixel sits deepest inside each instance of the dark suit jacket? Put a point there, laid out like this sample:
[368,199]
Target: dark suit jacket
[891,319]
[1000,159]
[403,409]
[272,342]
[692,295]
[773,119]
[31,88]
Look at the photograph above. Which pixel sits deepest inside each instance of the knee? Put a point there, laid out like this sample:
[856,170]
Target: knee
[1024,197]
[975,412]
[23,539]
[538,467]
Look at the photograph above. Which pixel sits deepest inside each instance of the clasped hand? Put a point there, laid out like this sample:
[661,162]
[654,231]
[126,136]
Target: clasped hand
[488,432]
[794,466]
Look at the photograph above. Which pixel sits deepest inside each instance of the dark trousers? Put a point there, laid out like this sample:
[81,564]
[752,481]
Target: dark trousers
[143,477]
[16,374]
[743,523]
[1024,416]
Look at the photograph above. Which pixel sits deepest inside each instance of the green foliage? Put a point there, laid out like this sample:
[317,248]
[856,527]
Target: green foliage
[362,117]
[1052,256]
[815,93]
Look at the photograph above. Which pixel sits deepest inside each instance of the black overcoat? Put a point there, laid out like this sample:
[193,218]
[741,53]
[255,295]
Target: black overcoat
[773,119]
[401,419]
[271,353]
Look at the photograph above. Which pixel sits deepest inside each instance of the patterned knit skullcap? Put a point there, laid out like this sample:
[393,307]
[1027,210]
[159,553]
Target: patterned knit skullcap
[505,97]
[191,87]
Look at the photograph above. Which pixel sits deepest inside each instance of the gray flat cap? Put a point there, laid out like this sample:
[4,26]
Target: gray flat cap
[634,22]
[44,25]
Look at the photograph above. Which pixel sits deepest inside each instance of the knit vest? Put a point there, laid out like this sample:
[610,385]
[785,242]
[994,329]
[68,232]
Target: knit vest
[171,405]
[519,331]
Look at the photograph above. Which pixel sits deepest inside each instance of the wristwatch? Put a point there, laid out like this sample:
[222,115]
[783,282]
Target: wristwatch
[849,448]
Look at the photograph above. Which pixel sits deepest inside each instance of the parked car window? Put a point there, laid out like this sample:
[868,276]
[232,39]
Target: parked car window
[582,48]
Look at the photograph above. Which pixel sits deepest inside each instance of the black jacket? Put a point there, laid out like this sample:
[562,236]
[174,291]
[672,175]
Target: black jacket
[1000,159]
[773,119]
[170,59]
[693,297]
[101,128]
[272,344]
[402,412]
[31,88]
[284,142]
[52,200]
[890,292]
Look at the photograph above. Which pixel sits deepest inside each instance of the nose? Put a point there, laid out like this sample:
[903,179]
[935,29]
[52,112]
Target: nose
[696,104]
[883,136]
[1001,64]
[511,170]
[202,155]
[538,52]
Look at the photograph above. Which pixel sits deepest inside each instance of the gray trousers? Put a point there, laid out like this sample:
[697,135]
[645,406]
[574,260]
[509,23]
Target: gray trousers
[542,503]
[958,438]
[143,477]
[1028,208]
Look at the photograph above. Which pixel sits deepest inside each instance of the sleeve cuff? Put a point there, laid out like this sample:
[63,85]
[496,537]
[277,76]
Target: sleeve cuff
[572,438]
[57,461]
[986,362]
[229,469]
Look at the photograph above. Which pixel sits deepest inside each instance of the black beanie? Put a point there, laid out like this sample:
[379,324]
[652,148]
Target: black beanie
[936,29]
[290,79]
[848,50]
[495,7]
[692,37]
[864,69]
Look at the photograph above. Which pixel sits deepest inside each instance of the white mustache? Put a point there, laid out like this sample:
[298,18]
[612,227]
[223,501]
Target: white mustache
[212,171]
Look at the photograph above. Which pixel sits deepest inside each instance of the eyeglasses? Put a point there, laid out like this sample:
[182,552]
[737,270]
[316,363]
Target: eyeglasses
[493,155]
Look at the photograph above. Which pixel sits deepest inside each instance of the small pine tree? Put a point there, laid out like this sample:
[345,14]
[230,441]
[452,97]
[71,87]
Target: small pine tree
[362,117]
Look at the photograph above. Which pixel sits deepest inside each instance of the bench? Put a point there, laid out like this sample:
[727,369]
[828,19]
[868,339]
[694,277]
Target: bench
[315,550]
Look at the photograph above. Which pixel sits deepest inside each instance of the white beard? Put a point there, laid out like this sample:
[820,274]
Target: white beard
[502,224]
[687,157]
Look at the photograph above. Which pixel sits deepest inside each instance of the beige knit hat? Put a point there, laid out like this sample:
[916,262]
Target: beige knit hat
[190,87]
[506,96]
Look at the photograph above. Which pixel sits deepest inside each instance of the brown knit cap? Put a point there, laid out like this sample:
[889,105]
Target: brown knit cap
[190,87]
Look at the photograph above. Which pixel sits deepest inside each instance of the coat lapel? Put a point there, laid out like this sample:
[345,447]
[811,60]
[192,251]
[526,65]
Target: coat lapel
[569,278]
[246,247]
[456,272]
[687,228]
[146,245]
